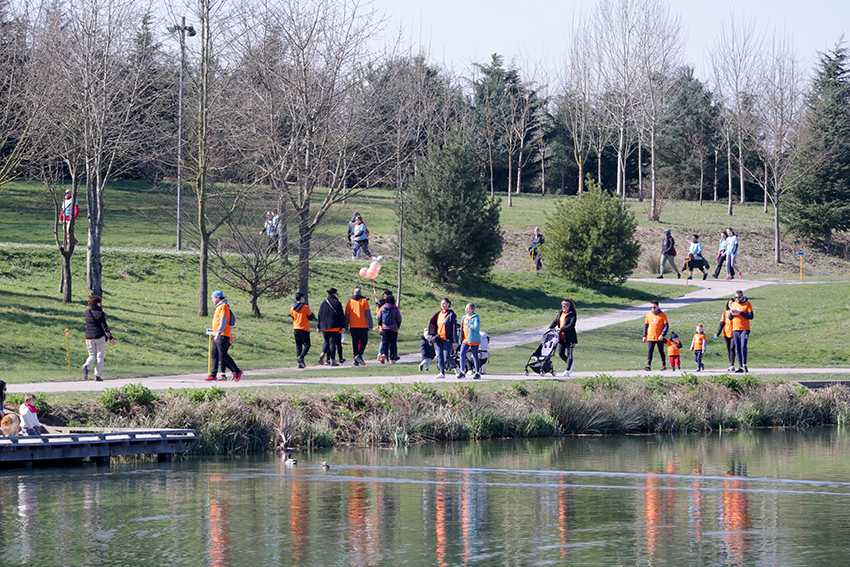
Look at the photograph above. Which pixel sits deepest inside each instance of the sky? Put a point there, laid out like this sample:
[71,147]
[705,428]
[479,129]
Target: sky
[458,33]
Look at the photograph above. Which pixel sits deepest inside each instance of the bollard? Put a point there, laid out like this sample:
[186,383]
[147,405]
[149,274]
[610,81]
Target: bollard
[210,332]
[800,254]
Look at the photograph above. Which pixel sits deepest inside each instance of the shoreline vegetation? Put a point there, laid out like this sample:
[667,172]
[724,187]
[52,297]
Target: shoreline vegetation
[242,422]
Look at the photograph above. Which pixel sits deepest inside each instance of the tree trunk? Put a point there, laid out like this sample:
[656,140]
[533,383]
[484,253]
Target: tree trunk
[304,239]
[776,228]
[621,161]
[492,183]
[701,179]
[94,277]
[510,181]
[580,173]
[255,309]
[715,175]
[203,265]
[66,276]
[640,170]
[282,234]
[519,172]
[741,165]
[400,241]
[729,172]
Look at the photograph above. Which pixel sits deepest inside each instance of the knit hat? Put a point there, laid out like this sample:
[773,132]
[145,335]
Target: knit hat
[674,336]
[218,293]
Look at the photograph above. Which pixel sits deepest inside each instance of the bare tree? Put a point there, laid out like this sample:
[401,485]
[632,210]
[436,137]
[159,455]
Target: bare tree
[661,43]
[735,59]
[780,126]
[322,127]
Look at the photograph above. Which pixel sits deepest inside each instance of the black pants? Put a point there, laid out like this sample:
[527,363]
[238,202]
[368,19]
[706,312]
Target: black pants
[660,351]
[302,343]
[721,262]
[565,351]
[220,356]
[389,340]
[331,344]
[730,349]
[359,339]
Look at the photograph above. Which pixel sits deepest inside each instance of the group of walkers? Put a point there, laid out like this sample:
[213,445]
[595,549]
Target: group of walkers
[727,254]
[734,327]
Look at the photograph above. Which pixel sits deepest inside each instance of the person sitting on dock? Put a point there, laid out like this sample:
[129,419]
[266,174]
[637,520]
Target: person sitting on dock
[29,418]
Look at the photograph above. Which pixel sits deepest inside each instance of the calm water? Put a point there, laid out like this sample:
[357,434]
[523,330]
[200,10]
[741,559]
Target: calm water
[763,498]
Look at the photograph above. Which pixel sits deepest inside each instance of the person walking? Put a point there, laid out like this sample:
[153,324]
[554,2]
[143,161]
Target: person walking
[301,317]
[725,329]
[331,323]
[470,328]
[698,346]
[695,259]
[741,312]
[668,254]
[389,318]
[655,327]
[443,326]
[721,255]
[732,255]
[534,249]
[360,239]
[97,333]
[358,321]
[222,339]
[565,322]
[271,228]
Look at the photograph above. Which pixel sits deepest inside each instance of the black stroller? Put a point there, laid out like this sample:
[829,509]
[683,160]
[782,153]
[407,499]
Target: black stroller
[540,361]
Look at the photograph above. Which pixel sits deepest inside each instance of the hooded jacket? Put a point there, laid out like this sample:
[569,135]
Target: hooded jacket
[358,315]
[301,316]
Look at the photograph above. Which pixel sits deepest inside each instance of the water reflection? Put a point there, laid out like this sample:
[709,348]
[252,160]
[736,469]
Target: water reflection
[705,500]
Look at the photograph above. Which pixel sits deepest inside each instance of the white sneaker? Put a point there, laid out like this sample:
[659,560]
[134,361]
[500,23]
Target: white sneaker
[566,374]
[421,366]
[440,376]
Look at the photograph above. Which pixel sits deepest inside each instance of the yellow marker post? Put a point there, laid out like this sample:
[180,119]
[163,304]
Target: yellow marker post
[68,348]
[800,254]
[209,353]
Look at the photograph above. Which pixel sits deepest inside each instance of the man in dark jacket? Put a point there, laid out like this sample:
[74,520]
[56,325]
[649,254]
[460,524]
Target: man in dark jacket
[97,333]
[565,322]
[668,254]
[331,323]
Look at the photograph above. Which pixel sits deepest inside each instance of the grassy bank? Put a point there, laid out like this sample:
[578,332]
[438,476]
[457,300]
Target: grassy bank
[250,421]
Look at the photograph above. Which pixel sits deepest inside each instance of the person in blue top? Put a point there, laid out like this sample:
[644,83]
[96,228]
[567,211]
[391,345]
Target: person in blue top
[271,228]
[695,259]
[360,239]
[721,255]
[732,255]
[470,328]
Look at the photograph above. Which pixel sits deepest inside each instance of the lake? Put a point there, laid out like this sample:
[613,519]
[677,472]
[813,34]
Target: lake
[772,497]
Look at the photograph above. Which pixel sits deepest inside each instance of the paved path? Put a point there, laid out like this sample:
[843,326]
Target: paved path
[694,291]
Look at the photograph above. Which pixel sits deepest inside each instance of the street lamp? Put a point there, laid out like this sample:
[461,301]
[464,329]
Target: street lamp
[184,30]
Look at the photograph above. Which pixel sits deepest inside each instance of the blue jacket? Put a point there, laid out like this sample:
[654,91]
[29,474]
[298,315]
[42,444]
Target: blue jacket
[473,327]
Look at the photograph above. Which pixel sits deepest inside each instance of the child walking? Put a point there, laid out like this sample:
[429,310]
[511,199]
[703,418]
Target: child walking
[698,345]
[426,348]
[673,346]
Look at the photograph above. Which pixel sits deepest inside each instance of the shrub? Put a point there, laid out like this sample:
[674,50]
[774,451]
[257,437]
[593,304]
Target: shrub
[451,224]
[200,395]
[591,239]
[125,397]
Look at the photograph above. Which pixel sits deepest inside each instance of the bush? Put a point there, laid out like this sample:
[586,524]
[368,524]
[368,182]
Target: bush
[125,397]
[591,239]
[452,225]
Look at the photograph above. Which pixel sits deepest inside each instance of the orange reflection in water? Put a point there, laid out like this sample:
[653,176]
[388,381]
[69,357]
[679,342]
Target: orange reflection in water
[466,518]
[440,522]
[562,514]
[736,517]
[652,504]
[299,521]
[218,544]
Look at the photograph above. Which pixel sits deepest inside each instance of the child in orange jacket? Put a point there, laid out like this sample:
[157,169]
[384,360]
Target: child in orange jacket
[698,345]
[673,346]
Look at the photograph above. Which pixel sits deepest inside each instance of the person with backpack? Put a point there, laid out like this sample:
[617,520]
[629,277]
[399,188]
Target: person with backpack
[389,320]
[331,323]
[222,325]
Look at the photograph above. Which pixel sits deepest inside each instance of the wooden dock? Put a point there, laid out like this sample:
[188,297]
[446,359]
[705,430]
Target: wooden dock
[75,444]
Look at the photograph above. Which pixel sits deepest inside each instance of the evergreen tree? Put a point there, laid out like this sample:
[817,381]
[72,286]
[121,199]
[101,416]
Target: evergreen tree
[820,203]
[452,225]
[591,239]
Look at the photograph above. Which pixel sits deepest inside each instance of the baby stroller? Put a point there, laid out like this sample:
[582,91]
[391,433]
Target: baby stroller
[540,361]
[483,354]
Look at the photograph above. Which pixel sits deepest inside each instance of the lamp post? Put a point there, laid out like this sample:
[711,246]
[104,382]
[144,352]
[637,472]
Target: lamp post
[184,30]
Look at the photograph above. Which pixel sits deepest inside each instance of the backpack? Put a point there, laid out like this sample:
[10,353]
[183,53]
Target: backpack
[387,319]
[231,321]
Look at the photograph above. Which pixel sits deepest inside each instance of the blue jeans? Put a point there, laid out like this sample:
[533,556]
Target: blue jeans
[444,354]
[741,338]
[464,348]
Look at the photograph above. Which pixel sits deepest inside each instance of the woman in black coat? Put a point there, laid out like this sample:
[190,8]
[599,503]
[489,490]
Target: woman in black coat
[331,323]
[97,333]
[565,322]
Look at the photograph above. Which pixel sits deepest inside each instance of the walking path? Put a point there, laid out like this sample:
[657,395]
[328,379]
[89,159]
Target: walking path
[694,291]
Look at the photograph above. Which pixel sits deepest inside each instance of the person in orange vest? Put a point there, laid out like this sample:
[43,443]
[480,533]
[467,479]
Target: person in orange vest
[655,327]
[673,347]
[741,312]
[698,346]
[222,339]
[725,329]
[358,320]
[301,317]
